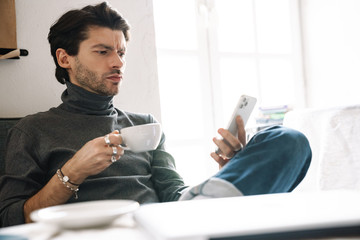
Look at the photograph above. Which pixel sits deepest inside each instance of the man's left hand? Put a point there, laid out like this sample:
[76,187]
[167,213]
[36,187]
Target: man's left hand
[229,145]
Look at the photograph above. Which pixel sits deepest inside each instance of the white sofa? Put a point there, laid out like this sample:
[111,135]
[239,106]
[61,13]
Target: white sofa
[334,136]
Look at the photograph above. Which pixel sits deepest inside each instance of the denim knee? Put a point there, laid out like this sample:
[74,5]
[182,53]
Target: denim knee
[282,138]
[275,160]
[293,151]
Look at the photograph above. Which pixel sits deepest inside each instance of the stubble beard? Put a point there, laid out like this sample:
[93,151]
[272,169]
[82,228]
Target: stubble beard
[92,81]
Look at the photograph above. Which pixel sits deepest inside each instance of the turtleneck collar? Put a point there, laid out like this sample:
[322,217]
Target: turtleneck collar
[78,100]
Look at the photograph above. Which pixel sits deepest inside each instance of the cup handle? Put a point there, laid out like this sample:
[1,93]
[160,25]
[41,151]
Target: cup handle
[122,146]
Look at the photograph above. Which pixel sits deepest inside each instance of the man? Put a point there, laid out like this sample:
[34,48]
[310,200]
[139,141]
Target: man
[74,149]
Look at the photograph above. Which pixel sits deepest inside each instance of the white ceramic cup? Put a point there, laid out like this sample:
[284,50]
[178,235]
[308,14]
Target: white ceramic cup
[141,138]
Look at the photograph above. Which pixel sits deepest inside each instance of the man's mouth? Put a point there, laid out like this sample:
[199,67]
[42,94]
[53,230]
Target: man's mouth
[114,78]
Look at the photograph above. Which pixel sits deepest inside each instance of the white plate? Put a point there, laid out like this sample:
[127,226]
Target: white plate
[84,214]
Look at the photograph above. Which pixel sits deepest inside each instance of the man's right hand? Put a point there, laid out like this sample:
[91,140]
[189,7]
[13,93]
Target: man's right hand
[93,158]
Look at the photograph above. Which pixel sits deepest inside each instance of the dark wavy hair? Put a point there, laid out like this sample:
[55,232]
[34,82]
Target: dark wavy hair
[72,28]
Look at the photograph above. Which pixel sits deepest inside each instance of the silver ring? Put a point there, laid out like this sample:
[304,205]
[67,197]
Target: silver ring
[114,151]
[231,156]
[107,140]
[239,149]
[113,159]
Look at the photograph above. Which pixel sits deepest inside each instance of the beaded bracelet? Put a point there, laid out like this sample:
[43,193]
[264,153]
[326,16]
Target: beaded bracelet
[66,181]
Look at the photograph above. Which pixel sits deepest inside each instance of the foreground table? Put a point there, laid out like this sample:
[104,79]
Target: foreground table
[122,228]
[273,216]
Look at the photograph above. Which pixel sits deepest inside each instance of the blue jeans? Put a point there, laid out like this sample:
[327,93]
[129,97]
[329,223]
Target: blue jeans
[274,161]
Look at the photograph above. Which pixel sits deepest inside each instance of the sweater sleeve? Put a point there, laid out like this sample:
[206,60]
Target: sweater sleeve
[21,179]
[168,183]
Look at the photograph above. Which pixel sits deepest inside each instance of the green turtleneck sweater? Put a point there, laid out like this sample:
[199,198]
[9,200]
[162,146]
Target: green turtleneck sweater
[41,143]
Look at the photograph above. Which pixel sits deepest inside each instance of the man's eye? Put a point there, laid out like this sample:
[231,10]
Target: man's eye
[102,52]
[121,54]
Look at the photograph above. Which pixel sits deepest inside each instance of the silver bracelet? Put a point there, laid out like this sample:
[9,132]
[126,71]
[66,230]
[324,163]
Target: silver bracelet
[66,181]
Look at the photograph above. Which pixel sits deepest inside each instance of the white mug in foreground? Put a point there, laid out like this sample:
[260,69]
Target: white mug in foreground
[141,138]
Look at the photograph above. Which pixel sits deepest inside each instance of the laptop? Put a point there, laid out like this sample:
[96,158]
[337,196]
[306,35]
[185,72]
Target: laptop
[272,216]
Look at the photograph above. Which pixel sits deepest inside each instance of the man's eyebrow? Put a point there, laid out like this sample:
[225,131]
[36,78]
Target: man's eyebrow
[106,47]
[102,46]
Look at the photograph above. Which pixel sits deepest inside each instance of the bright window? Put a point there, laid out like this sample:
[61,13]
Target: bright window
[209,53]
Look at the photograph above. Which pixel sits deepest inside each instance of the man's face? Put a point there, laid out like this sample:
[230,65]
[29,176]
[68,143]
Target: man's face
[100,62]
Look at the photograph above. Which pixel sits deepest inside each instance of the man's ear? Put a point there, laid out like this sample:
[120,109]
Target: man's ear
[63,58]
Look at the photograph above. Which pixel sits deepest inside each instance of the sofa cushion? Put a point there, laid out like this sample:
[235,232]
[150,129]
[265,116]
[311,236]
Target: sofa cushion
[334,136]
[5,125]
[340,156]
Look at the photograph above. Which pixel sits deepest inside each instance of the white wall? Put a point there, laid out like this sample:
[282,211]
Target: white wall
[331,36]
[29,85]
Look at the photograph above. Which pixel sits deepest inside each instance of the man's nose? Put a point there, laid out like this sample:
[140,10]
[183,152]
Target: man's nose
[117,61]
